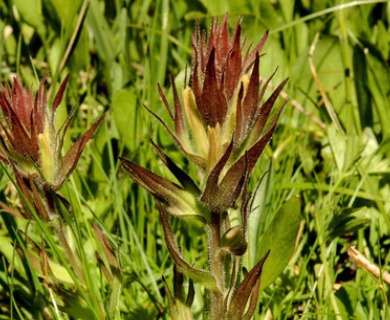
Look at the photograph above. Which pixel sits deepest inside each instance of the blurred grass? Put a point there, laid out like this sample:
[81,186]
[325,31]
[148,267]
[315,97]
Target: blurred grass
[117,52]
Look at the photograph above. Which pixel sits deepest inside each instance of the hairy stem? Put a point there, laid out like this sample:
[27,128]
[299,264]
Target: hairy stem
[72,258]
[216,266]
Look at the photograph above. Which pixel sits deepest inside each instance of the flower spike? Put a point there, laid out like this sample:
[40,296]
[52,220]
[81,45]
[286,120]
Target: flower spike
[29,140]
[222,124]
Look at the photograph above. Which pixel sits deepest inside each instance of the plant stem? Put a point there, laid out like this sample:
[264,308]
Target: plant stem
[72,258]
[216,266]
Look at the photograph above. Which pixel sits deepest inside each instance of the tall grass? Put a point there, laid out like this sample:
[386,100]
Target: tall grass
[331,147]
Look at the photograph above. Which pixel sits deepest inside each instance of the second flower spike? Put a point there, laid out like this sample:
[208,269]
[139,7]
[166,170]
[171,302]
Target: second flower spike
[29,139]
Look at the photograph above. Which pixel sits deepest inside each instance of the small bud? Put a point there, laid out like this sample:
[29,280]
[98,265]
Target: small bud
[233,240]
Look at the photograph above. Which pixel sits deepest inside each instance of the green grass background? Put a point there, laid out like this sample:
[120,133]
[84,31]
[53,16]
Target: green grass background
[333,152]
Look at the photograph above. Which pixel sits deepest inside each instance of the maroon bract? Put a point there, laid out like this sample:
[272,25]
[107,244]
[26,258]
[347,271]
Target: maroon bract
[222,123]
[32,146]
[29,138]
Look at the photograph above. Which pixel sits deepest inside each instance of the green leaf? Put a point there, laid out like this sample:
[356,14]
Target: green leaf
[257,222]
[346,150]
[125,114]
[378,73]
[279,238]
[8,252]
[62,8]
[215,8]
[347,298]
[104,37]
[31,13]
[348,220]
[361,86]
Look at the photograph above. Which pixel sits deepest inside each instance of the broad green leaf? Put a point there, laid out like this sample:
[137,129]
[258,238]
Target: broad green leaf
[31,13]
[63,17]
[59,272]
[373,160]
[301,35]
[55,55]
[125,114]
[287,9]
[346,297]
[80,59]
[279,238]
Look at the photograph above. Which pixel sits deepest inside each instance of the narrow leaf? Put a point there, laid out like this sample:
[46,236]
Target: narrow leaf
[264,112]
[72,156]
[234,63]
[165,101]
[256,150]
[180,127]
[11,211]
[196,159]
[185,180]
[245,290]
[39,203]
[251,100]
[107,248]
[232,183]
[250,58]
[199,275]
[180,202]
[363,92]
[60,93]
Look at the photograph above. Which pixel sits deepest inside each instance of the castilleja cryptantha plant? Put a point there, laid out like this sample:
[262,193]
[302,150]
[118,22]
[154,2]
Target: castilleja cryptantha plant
[32,145]
[222,124]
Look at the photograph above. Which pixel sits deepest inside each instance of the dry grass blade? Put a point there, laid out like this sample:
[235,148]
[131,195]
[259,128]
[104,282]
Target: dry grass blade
[367,265]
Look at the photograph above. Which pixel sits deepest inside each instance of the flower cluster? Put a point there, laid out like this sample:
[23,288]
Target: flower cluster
[31,144]
[222,123]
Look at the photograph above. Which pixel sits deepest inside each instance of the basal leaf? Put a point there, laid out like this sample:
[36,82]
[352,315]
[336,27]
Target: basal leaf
[279,238]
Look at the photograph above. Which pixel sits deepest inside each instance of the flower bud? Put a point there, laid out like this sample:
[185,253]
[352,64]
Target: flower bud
[233,240]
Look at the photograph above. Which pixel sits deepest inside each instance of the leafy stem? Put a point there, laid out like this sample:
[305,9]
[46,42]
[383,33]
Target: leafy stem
[216,265]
